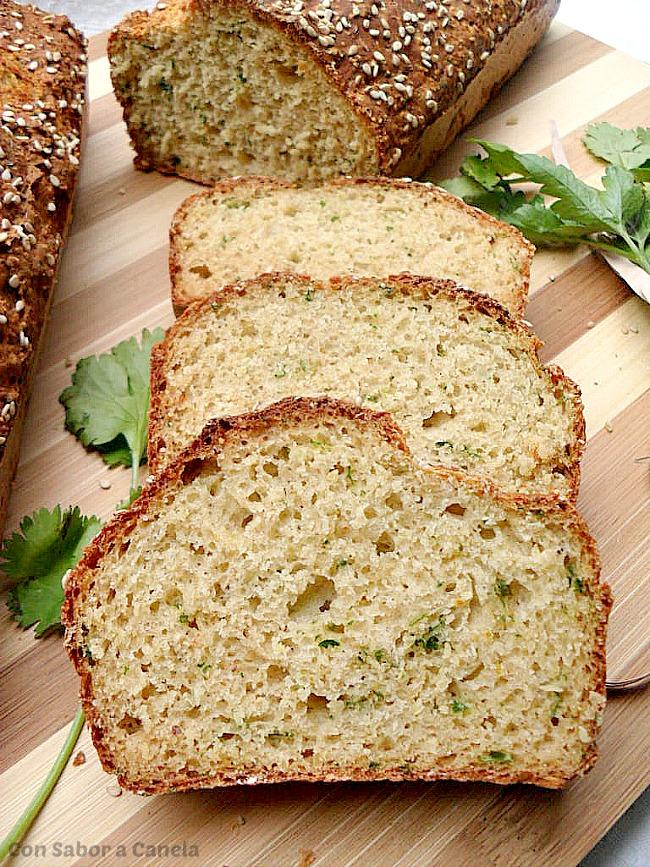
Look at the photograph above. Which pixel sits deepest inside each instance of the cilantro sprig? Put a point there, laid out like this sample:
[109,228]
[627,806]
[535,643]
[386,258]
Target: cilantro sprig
[106,405]
[38,556]
[615,219]
[106,408]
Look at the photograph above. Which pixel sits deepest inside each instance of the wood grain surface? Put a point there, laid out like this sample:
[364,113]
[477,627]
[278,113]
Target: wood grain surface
[113,283]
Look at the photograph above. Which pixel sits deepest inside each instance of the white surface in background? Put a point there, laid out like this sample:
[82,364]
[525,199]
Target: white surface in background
[625,25]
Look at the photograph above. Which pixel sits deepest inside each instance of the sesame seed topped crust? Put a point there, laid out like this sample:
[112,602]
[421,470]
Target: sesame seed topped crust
[42,71]
[401,65]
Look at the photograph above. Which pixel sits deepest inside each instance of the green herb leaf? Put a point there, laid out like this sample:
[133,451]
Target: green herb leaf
[106,405]
[496,756]
[616,218]
[38,556]
[627,148]
[482,171]
[329,642]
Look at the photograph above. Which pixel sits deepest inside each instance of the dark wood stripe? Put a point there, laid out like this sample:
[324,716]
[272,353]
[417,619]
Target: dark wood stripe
[216,814]
[97,46]
[39,696]
[562,310]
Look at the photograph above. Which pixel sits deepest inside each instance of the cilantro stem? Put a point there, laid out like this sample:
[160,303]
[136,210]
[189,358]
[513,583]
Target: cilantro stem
[634,254]
[135,472]
[26,820]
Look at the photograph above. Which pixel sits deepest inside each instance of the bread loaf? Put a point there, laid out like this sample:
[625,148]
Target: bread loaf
[295,598]
[461,378]
[308,89]
[372,227]
[42,78]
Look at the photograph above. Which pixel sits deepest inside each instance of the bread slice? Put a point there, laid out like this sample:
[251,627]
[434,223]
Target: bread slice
[362,227]
[460,376]
[295,598]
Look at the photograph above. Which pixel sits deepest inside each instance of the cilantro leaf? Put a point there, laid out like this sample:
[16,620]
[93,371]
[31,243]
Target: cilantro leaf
[38,556]
[106,405]
[627,148]
[482,171]
[577,201]
[616,218]
[622,194]
[544,227]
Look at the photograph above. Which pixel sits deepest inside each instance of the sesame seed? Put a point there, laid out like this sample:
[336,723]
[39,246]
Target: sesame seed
[3,319]
[23,339]
[485,55]
[55,181]
[51,207]
[20,306]
[14,281]
[378,56]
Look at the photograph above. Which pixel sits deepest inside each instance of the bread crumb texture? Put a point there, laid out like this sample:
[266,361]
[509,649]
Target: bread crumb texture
[350,227]
[460,377]
[304,601]
[255,102]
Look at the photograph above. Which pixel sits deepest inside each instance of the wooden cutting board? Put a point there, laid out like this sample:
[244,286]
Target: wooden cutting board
[113,283]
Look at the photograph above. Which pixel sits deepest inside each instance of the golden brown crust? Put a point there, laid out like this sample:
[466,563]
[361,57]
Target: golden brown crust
[421,287]
[401,65]
[207,447]
[259,184]
[43,102]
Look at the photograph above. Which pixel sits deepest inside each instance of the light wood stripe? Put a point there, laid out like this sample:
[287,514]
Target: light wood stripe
[552,62]
[99,78]
[607,388]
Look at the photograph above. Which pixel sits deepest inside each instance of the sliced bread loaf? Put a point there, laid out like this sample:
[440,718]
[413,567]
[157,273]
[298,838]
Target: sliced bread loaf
[370,227]
[307,89]
[460,376]
[295,598]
